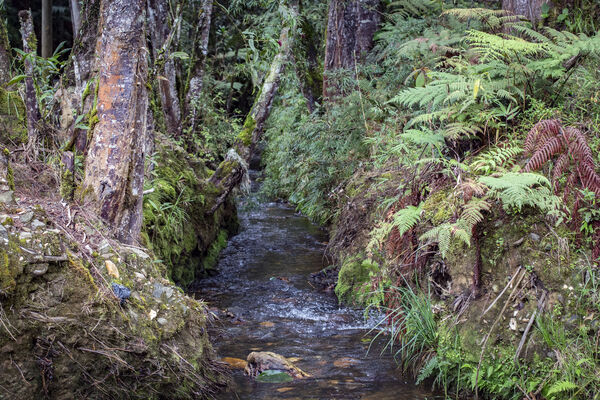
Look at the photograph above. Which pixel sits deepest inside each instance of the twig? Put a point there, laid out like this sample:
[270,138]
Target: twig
[20,372]
[503,290]
[539,308]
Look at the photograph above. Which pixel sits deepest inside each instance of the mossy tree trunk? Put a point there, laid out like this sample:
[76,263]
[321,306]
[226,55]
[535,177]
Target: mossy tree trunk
[351,26]
[114,166]
[196,74]
[31,106]
[5,74]
[164,66]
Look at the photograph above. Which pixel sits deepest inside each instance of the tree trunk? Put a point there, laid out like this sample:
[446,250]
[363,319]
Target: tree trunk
[5,74]
[75,17]
[530,9]
[351,26]
[164,66]
[198,62]
[31,105]
[307,65]
[114,166]
[84,47]
[47,28]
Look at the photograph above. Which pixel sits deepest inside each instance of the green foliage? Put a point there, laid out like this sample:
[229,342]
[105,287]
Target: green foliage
[517,190]
[403,220]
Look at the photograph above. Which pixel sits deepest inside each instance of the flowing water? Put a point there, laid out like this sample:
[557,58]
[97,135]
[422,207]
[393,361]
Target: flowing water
[269,305]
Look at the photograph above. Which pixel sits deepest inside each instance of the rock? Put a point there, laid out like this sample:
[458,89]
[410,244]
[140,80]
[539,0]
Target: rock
[104,247]
[39,269]
[138,252]
[162,290]
[266,360]
[24,235]
[161,321]
[345,362]
[3,233]
[267,324]
[122,292]
[512,324]
[234,363]
[37,224]
[518,242]
[152,314]
[25,218]
[112,269]
[535,237]
[7,197]
[139,276]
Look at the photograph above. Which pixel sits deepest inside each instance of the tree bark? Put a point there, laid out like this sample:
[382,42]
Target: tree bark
[198,62]
[5,59]
[351,26]
[75,17]
[46,28]
[164,66]
[530,9]
[306,64]
[31,105]
[114,166]
[84,46]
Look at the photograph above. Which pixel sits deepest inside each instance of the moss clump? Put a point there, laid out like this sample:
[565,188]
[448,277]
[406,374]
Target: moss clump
[12,118]
[211,258]
[10,266]
[438,208]
[245,135]
[354,273]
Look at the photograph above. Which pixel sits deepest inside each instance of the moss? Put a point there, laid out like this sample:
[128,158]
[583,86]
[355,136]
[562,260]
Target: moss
[67,185]
[438,207]
[13,127]
[10,265]
[245,135]
[354,273]
[212,255]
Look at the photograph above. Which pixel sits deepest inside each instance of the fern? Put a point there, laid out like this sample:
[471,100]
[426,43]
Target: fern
[428,369]
[560,387]
[443,234]
[403,220]
[497,159]
[517,190]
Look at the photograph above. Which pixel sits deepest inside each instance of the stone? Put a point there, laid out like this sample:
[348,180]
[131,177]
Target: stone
[162,290]
[111,268]
[535,237]
[266,360]
[122,292]
[37,224]
[24,235]
[138,252]
[234,363]
[139,276]
[152,314]
[39,269]
[161,321]
[3,233]
[104,247]
[26,217]
[7,197]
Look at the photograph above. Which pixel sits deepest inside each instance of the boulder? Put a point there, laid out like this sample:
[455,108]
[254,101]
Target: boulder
[265,360]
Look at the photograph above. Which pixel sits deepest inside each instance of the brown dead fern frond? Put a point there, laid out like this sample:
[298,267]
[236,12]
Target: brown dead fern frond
[549,140]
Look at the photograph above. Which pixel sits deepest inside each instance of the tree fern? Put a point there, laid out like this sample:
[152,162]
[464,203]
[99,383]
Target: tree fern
[496,159]
[443,234]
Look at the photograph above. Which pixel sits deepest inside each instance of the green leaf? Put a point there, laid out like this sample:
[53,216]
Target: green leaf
[560,387]
[273,376]
[420,81]
[182,55]
[16,79]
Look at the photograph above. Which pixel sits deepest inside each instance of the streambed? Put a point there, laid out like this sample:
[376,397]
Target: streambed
[267,303]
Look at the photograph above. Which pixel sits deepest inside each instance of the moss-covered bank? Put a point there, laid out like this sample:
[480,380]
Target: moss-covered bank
[177,224]
[65,332]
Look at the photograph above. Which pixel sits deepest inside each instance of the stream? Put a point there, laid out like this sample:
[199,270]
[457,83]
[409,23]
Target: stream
[268,304]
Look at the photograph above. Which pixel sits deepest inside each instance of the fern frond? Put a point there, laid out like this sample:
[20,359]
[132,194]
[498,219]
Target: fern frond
[473,211]
[403,220]
[497,159]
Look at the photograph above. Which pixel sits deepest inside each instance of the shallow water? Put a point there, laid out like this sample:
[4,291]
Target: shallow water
[263,285]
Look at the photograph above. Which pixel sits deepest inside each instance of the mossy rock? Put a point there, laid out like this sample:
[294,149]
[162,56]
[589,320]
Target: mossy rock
[354,274]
